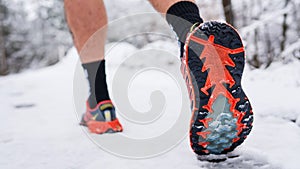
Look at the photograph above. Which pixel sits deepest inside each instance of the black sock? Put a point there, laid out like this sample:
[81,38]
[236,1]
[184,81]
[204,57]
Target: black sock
[101,85]
[182,16]
[96,76]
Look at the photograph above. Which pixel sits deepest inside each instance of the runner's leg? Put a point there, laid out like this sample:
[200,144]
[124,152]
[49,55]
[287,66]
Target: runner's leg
[84,19]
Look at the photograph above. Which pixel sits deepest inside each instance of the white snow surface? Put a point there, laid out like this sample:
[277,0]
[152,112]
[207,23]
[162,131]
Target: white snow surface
[39,126]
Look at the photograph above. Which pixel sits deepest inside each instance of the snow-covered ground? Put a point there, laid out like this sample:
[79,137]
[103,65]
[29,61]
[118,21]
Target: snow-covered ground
[39,126]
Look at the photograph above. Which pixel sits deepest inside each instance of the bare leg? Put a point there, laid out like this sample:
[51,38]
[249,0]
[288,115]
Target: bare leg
[84,18]
[163,5]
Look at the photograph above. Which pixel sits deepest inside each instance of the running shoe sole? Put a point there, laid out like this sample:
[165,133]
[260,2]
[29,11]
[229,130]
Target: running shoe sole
[212,66]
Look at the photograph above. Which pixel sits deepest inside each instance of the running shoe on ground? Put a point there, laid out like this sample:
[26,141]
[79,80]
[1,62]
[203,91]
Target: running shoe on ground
[101,119]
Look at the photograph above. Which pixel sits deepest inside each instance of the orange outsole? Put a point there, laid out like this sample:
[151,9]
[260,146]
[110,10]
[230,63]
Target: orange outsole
[100,127]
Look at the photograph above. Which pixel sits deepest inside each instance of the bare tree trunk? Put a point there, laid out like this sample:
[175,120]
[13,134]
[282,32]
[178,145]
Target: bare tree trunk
[255,60]
[244,17]
[284,29]
[3,61]
[270,49]
[228,12]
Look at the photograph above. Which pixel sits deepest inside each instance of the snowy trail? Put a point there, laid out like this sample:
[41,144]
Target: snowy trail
[39,128]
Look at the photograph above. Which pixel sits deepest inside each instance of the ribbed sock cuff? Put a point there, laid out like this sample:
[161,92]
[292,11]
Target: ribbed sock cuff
[182,16]
[95,72]
[101,84]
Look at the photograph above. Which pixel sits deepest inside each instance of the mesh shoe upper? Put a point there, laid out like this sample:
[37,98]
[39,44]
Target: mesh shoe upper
[104,111]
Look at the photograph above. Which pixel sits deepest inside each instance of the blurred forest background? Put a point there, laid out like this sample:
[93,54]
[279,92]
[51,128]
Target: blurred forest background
[33,33]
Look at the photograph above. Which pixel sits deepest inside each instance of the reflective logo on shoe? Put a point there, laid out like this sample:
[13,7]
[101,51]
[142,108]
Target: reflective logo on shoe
[95,116]
[107,115]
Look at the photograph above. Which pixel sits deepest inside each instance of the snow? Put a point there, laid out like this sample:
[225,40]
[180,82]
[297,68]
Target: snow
[39,127]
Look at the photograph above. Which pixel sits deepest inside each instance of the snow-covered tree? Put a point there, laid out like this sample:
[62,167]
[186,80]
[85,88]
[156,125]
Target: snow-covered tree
[270,29]
[36,41]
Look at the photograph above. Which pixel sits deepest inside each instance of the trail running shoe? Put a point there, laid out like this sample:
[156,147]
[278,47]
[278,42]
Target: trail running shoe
[101,119]
[212,66]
